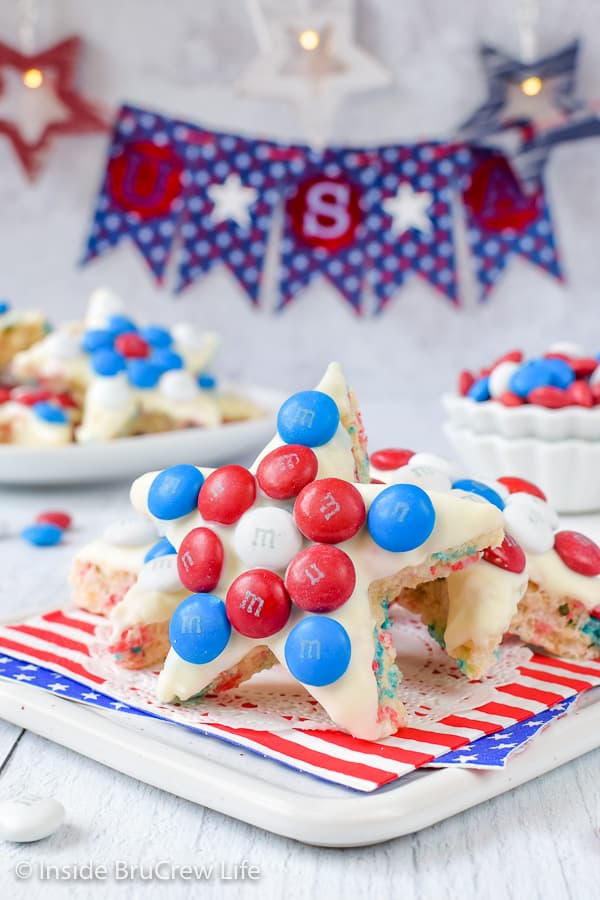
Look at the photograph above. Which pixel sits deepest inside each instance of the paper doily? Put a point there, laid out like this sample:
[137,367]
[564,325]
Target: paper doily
[432,687]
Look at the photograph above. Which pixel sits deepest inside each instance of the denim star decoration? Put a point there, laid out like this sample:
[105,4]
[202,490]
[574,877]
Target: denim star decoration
[531,107]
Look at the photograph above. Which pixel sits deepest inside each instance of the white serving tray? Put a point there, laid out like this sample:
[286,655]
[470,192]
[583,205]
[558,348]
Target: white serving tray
[270,796]
[130,456]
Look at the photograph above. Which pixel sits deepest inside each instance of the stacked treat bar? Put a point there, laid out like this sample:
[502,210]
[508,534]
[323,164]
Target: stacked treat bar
[109,377]
[300,560]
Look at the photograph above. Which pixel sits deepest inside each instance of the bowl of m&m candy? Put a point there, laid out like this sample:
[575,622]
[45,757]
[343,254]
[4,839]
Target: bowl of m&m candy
[538,417]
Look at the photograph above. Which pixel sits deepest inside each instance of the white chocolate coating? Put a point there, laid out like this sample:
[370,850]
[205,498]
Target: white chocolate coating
[28,429]
[550,572]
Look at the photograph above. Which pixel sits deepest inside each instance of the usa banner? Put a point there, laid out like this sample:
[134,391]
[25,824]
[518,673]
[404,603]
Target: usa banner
[365,219]
[503,220]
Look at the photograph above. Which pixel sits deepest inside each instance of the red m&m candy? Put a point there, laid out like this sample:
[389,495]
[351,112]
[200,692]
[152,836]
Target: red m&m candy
[516,485]
[580,394]
[466,380]
[132,346]
[200,560]
[550,397]
[580,553]
[258,604]
[583,367]
[321,578]
[510,399]
[329,511]
[283,472]
[390,458]
[508,556]
[55,517]
[5,393]
[512,356]
[31,396]
[226,495]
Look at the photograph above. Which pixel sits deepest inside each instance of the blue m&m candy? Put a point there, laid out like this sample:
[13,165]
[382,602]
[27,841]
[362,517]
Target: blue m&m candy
[118,324]
[318,650]
[164,547]
[42,534]
[156,336]
[107,362]
[4,307]
[50,413]
[480,390]
[174,492]
[478,487]
[143,374]
[165,359]
[206,382]
[401,518]
[97,339]
[199,629]
[310,418]
[561,373]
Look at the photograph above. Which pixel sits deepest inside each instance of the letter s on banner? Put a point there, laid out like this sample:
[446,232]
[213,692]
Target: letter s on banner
[325,212]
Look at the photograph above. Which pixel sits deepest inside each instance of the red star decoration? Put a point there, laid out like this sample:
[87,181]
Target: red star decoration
[53,71]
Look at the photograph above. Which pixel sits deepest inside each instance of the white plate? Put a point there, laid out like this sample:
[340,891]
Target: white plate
[129,457]
[263,793]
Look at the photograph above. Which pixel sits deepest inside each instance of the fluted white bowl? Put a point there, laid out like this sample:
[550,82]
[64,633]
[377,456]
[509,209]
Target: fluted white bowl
[567,471]
[529,420]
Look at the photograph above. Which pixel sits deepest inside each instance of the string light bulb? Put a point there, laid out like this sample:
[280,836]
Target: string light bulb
[33,78]
[531,86]
[309,39]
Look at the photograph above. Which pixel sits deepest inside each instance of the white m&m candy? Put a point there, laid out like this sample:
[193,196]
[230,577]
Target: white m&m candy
[179,386]
[131,532]
[267,537]
[500,377]
[160,574]
[428,477]
[110,393]
[435,462]
[529,521]
[29,818]
[568,348]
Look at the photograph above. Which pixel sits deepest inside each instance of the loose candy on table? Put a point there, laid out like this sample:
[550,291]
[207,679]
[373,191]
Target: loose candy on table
[283,472]
[580,553]
[479,487]
[401,518]
[199,629]
[42,534]
[318,651]
[321,578]
[329,511]
[133,531]
[258,604]
[55,517]
[26,819]
[174,492]
[164,547]
[200,560]
[508,556]
[226,495]
[310,418]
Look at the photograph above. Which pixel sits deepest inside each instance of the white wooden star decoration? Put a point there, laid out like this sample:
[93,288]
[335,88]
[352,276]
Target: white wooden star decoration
[232,200]
[309,57]
[408,209]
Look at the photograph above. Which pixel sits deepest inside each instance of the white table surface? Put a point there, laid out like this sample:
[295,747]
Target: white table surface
[541,840]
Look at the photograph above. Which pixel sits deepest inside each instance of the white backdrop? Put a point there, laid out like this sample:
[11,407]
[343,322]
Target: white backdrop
[182,58]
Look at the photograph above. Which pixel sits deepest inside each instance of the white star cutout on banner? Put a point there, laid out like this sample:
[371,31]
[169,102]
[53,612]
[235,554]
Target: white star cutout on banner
[408,209]
[309,57]
[232,200]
